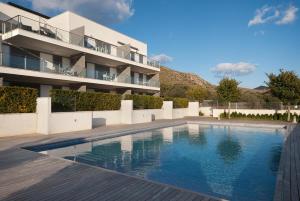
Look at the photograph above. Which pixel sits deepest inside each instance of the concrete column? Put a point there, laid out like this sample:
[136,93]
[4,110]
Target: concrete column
[82,88]
[78,63]
[124,74]
[1,82]
[128,91]
[43,110]
[126,111]
[45,90]
[193,109]
[167,110]
[154,80]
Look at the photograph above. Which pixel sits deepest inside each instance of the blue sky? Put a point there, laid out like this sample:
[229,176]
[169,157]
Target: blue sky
[244,39]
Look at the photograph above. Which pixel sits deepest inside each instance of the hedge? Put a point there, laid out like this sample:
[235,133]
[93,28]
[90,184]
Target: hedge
[178,102]
[69,100]
[145,101]
[276,116]
[17,99]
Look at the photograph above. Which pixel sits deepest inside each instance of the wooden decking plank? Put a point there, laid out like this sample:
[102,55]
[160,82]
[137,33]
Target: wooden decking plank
[294,185]
[297,161]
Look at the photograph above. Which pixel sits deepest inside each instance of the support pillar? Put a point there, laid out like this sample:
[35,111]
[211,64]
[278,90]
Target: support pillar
[82,88]
[124,74]
[43,110]
[193,109]
[167,109]
[126,111]
[1,82]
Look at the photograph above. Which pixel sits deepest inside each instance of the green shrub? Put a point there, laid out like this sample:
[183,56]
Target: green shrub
[201,114]
[178,102]
[17,99]
[276,116]
[145,101]
[69,100]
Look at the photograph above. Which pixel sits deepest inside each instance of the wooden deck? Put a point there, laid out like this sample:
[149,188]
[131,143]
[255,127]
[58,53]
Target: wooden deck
[288,178]
[27,175]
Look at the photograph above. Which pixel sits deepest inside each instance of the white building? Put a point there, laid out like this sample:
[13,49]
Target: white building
[71,52]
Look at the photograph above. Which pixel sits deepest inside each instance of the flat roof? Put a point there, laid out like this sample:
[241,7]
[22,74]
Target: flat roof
[28,10]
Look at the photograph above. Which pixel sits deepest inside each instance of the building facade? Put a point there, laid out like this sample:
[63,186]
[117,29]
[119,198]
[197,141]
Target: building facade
[69,51]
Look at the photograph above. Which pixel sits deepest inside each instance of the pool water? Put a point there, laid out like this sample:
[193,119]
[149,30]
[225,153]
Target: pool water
[235,163]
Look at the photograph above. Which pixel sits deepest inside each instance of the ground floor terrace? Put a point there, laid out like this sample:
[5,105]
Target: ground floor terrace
[28,175]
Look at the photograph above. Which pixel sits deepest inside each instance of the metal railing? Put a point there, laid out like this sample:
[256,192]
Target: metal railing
[35,63]
[44,29]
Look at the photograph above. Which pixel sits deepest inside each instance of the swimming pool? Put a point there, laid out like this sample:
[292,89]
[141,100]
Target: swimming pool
[231,162]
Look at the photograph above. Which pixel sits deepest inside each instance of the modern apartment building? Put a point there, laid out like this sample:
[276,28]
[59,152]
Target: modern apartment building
[69,51]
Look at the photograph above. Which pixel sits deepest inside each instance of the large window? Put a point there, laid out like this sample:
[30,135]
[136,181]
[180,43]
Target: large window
[20,58]
[101,72]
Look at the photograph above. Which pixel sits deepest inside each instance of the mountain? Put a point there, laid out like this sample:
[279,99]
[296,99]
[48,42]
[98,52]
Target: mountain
[173,77]
[261,88]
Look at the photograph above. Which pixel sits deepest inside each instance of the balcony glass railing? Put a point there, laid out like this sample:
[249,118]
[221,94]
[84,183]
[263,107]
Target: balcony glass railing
[34,63]
[47,30]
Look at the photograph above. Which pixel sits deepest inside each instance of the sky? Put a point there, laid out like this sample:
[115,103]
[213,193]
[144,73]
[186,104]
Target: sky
[243,39]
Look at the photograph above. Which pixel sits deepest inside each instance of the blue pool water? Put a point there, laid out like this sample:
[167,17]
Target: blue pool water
[236,163]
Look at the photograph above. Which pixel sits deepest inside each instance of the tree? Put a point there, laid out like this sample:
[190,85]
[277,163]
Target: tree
[228,91]
[196,93]
[285,86]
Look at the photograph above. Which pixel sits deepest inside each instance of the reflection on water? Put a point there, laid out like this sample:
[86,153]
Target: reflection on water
[229,149]
[235,163]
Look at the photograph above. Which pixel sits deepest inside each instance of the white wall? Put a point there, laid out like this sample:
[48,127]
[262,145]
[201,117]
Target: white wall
[46,122]
[180,113]
[142,116]
[17,124]
[101,118]
[60,122]
[217,112]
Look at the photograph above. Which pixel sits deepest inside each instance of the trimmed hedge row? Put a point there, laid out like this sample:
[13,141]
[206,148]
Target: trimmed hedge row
[69,100]
[17,99]
[145,101]
[276,116]
[178,102]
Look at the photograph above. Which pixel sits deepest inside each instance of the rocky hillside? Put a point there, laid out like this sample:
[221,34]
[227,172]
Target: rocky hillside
[173,77]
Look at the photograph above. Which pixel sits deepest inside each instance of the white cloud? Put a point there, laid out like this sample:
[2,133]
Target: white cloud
[274,14]
[233,69]
[289,15]
[104,11]
[264,15]
[162,58]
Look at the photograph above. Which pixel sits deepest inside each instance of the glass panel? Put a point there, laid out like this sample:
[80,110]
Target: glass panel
[101,72]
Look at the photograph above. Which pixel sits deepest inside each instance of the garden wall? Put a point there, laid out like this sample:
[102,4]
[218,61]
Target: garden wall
[17,124]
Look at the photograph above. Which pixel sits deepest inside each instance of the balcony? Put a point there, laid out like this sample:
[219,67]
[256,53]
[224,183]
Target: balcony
[34,63]
[44,29]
